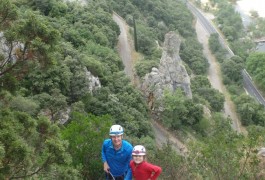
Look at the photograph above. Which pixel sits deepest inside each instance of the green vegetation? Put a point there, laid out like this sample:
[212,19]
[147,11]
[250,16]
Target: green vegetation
[255,65]
[229,21]
[31,146]
[224,154]
[250,111]
[221,154]
[84,152]
[180,111]
[153,20]
[216,48]
[191,53]
[52,46]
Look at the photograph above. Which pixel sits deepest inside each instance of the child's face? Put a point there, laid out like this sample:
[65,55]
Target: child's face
[138,158]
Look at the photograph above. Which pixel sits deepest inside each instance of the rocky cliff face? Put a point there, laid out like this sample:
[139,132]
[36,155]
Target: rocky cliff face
[93,82]
[171,73]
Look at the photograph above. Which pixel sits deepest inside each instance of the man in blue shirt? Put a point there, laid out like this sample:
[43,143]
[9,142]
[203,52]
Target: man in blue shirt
[116,155]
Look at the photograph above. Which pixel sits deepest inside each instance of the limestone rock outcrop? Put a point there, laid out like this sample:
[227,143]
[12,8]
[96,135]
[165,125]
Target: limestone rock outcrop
[171,73]
[93,82]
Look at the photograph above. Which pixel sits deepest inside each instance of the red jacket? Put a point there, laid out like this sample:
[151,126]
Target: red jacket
[145,171]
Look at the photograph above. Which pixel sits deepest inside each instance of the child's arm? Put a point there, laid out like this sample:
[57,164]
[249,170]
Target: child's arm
[156,171]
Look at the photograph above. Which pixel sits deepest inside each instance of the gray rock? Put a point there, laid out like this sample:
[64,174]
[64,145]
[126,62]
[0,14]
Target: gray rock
[262,152]
[93,82]
[171,73]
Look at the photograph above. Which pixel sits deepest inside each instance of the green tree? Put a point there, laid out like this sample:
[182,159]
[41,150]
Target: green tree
[191,54]
[45,80]
[216,47]
[49,7]
[145,66]
[78,80]
[146,39]
[52,105]
[224,154]
[214,97]
[174,109]
[86,134]
[173,165]
[199,82]
[258,28]
[31,37]
[8,14]
[230,21]
[123,102]
[255,65]
[250,111]
[23,104]
[232,68]
[29,147]
[178,110]
[242,47]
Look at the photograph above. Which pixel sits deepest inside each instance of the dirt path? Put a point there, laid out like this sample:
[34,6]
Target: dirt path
[124,48]
[162,135]
[214,76]
[127,53]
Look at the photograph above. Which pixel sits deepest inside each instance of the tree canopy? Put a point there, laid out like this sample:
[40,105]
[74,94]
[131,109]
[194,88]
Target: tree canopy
[53,123]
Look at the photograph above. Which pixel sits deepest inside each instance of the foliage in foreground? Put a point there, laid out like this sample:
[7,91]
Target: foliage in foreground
[31,146]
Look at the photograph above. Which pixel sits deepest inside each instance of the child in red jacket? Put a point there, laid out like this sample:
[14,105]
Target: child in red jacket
[142,170]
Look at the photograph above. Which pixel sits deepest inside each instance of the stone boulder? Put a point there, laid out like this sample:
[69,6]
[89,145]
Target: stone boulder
[170,74]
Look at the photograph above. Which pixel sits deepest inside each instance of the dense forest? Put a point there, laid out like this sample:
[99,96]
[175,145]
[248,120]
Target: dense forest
[53,122]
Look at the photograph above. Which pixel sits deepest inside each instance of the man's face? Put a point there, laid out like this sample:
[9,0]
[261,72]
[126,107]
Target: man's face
[116,140]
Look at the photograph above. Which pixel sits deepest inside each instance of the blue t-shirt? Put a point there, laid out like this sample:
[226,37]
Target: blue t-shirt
[118,160]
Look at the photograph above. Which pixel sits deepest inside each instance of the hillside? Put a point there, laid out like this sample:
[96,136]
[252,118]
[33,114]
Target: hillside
[63,85]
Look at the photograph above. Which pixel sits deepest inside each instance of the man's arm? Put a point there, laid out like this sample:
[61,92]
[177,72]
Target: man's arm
[103,155]
[106,167]
[129,171]
[128,175]
[104,159]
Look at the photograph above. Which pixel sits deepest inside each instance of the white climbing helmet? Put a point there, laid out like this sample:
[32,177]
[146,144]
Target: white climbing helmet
[139,150]
[115,130]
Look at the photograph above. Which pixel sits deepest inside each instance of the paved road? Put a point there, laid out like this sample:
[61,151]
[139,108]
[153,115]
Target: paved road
[251,89]
[248,83]
[203,30]
[209,27]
